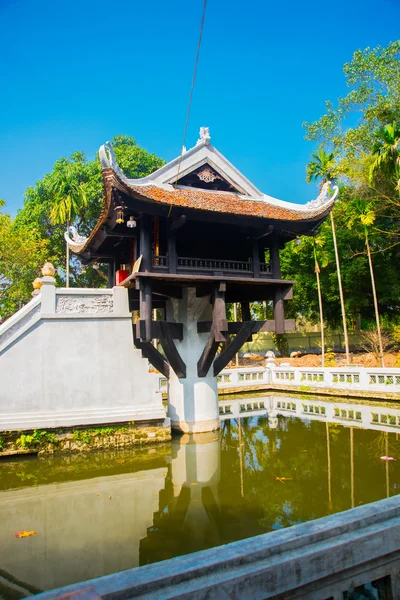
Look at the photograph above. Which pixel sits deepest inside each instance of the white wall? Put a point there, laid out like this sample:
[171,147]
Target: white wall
[68,358]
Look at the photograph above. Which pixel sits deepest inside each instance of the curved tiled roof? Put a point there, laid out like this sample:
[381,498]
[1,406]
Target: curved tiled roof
[151,189]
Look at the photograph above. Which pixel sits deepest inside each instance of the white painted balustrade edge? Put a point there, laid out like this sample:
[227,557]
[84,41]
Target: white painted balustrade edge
[341,378]
[313,560]
[359,379]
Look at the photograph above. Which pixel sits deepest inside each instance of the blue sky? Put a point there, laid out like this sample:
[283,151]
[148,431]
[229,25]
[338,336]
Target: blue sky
[75,73]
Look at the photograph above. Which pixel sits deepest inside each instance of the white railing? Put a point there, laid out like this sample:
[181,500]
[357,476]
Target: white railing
[342,378]
[231,409]
[347,378]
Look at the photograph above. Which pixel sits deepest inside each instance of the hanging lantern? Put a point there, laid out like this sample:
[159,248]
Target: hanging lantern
[131,223]
[120,214]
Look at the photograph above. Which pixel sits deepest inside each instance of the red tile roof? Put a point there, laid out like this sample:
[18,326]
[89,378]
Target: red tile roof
[205,200]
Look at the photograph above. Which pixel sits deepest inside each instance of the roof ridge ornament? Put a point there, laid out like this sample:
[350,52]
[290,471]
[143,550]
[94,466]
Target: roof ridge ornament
[323,196]
[205,136]
[108,160]
[76,239]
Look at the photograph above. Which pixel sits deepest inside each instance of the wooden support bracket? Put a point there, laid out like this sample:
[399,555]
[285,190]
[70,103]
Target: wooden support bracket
[172,354]
[208,354]
[152,354]
[223,359]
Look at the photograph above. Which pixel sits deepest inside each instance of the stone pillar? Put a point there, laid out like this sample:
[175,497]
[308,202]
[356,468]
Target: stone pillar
[48,294]
[193,401]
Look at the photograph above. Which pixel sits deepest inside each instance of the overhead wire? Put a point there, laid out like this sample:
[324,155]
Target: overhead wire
[191,91]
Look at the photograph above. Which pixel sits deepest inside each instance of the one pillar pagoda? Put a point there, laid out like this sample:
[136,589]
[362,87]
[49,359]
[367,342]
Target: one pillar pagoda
[188,239]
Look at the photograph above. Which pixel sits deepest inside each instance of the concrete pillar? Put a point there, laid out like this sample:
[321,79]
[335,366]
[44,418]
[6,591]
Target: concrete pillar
[195,465]
[48,295]
[193,401]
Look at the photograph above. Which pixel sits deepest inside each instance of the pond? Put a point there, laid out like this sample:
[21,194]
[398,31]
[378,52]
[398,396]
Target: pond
[103,512]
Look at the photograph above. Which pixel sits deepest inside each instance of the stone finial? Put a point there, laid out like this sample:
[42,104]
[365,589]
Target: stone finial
[36,284]
[48,270]
[204,135]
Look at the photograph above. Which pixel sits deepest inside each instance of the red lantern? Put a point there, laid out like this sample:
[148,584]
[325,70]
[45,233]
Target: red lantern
[120,276]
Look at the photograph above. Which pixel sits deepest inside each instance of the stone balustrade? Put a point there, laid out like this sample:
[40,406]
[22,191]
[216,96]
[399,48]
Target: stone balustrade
[325,558]
[358,379]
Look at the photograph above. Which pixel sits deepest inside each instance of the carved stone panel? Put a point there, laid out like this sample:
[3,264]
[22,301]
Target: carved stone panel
[91,305]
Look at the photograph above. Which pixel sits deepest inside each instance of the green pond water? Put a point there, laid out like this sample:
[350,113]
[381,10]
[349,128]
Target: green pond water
[103,512]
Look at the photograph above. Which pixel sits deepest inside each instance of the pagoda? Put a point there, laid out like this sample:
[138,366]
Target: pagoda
[191,237]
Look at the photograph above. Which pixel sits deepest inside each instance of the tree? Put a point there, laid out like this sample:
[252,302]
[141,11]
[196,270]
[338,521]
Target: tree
[69,200]
[386,152]
[364,212]
[322,168]
[86,174]
[22,253]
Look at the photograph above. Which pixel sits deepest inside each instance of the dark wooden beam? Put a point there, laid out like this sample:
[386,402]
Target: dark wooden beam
[170,290]
[178,223]
[258,326]
[129,233]
[158,330]
[270,229]
[111,275]
[145,242]
[204,290]
[274,257]
[172,256]
[207,356]
[145,311]
[256,258]
[279,312]
[152,354]
[172,354]
[246,316]
[226,356]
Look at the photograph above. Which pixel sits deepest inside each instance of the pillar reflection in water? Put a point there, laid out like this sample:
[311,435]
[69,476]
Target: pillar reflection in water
[189,506]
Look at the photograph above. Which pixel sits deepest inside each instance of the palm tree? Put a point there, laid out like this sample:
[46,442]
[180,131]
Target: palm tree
[363,211]
[69,200]
[386,151]
[320,242]
[322,168]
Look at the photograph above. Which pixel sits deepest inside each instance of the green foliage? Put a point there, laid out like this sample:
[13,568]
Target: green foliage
[22,253]
[329,358]
[2,442]
[281,342]
[88,434]
[74,187]
[358,147]
[36,439]
[321,167]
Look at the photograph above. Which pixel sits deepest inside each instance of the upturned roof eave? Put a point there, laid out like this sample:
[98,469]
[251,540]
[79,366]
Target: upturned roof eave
[111,180]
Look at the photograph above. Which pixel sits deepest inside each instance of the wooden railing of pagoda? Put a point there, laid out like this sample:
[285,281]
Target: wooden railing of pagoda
[209,265]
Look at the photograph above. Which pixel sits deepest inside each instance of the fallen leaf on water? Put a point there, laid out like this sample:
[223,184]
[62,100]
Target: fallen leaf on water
[24,534]
[282,479]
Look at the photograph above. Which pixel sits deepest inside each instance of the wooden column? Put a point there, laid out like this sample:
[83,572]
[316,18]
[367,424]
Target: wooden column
[275,259]
[279,312]
[245,306]
[145,308]
[111,275]
[256,258]
[145,243]
[172,257]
